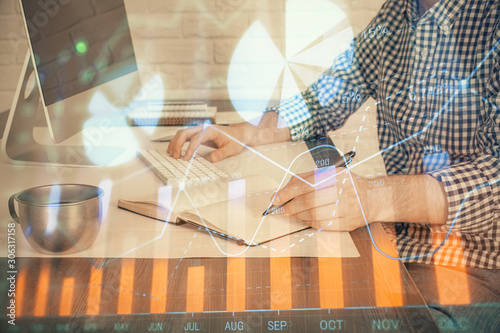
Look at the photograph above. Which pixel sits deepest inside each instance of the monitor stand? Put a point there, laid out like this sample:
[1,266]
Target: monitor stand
[19,144]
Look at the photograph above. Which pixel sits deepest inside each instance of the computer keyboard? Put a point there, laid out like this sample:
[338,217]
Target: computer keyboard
[174,172]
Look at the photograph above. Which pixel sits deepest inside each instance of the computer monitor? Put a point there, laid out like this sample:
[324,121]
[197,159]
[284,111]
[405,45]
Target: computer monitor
[78,51]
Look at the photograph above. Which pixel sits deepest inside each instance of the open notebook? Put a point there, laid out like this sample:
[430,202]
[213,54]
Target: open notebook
[234,216]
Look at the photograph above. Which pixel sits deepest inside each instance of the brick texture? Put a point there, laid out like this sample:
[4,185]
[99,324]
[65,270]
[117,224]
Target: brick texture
[189,44]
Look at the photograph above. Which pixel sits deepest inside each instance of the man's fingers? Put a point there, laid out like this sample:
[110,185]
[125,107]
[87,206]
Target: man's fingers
[194,142]
[296,186]
[331,225]
[326,177]
[306,183]
[318,213]
[199,138]
[309,200]
[222,153]
[175,147]
[291,191]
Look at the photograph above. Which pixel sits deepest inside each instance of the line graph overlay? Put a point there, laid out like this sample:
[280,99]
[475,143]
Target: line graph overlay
[287,170]
[434,119]
[365,160]
[463,85]
[370,232]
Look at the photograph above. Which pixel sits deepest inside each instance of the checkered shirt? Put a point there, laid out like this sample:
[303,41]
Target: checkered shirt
[436,83]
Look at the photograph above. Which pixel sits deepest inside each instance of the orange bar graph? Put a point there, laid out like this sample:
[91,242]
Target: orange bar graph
[387,277]
[236,280]
[386,271]
[20,287]
[126,287]
[195,289]
[281,284]
[42,292]
[330,283]
[235,295]
[66,303]
[94,295]
[448,293]
[452,287]
[159,286]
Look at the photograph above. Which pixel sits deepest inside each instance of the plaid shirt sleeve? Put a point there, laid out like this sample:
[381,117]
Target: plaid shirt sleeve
[329,101]
[473,193]
[473,188]
[435,78]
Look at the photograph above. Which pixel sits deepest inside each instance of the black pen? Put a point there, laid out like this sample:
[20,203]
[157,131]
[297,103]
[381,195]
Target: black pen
[347,158]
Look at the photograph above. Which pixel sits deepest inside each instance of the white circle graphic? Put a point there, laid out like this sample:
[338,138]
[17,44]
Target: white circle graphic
[316,32]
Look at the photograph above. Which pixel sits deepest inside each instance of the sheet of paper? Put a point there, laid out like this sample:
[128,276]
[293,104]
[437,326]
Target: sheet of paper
[242,218]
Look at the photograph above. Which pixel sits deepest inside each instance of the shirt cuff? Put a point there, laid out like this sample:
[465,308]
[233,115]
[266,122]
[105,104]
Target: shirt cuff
[471,205]
[294,114]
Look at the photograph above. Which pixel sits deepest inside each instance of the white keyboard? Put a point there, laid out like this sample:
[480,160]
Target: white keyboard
[174,172]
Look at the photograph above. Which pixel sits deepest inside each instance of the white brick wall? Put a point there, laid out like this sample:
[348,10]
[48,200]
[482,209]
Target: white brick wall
[13,47]
[189,43]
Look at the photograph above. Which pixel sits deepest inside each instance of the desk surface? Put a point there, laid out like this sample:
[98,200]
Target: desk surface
[368,293]
[289,294]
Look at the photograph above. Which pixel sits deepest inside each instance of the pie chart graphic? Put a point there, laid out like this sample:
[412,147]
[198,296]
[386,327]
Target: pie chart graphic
[260,74]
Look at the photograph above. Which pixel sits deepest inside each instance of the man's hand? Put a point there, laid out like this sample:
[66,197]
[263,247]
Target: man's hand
[223,137]
[337,199]
[327,198]
[220,136]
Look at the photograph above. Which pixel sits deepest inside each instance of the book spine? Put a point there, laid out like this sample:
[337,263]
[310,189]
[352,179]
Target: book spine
[167,121]
[177,107]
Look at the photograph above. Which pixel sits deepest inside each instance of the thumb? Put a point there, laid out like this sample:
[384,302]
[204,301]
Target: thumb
[220,154]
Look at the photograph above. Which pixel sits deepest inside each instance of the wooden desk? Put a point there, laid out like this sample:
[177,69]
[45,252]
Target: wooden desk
[370,293]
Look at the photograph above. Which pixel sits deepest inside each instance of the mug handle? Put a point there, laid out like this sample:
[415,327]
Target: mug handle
[12,209]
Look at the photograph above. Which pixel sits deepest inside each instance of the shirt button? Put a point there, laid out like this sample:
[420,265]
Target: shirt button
[424,53]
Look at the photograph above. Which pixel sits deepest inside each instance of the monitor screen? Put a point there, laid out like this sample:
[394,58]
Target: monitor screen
[78,45]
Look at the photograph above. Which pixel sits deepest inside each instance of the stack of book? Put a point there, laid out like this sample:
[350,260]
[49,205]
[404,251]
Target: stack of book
[172,114]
